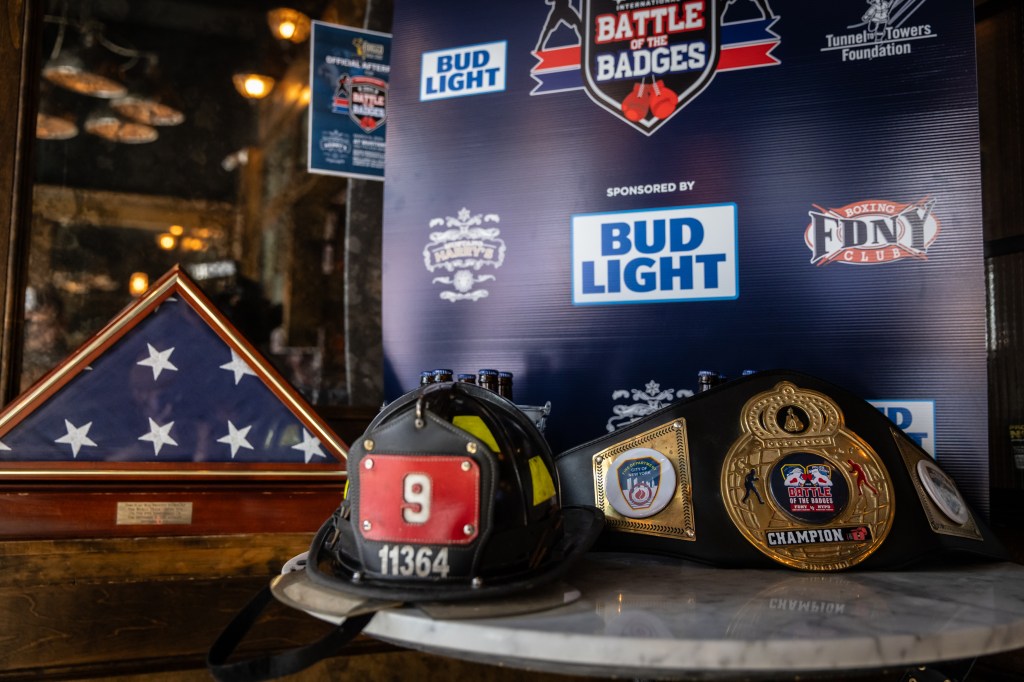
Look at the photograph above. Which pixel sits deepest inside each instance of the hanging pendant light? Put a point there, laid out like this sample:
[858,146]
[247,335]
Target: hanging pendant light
[149,102]
[288,24]
[147,110]
[106,124]
[253,85]
[51,127]
[84,69]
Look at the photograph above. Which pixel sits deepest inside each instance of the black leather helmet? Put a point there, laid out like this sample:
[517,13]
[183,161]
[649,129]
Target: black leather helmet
[452,494]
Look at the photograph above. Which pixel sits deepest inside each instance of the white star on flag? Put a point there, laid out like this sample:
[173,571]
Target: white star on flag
[310,446]
[239,367]
[236,438]
[3,447]
[76,437]
[158,360]
[158,435]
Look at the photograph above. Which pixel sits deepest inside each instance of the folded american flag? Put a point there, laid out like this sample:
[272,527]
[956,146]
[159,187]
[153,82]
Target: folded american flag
[168,380]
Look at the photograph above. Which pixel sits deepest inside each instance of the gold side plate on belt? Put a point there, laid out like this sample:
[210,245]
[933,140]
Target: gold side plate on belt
[801,487]
[945,508]
[643,483]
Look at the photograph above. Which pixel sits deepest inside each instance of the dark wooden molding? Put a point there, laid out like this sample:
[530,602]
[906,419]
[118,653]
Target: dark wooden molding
[19,30]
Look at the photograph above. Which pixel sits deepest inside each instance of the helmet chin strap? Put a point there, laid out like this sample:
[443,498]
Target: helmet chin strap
[272,666]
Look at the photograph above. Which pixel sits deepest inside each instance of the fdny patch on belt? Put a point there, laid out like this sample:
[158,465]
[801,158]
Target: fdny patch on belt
[643,483]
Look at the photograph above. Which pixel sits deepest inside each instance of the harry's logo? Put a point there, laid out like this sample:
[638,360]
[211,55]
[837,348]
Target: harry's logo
[462,250]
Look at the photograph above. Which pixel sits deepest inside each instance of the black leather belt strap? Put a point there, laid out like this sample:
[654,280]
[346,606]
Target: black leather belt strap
[773,468]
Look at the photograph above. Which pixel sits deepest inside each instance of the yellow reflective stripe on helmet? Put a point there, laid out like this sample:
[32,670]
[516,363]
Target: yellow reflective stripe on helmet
[475,426]
[543,486]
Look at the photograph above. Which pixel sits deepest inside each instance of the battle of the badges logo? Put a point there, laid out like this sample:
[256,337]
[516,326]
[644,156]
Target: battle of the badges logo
[806,488]
[368,102]
[644,64]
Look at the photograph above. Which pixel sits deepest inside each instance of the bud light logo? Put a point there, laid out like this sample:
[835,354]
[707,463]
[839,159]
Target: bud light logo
[462,71]
[871,232]
[916,418]
[682,253]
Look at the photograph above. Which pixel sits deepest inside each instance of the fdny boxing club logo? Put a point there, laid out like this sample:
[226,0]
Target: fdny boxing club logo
[468,244]
[363,98]
[644,60]
[871,232]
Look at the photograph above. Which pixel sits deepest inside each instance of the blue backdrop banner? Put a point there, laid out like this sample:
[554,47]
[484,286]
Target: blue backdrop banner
[605,197]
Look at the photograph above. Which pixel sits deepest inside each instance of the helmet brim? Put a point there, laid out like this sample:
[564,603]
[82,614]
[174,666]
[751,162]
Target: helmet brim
[582,526]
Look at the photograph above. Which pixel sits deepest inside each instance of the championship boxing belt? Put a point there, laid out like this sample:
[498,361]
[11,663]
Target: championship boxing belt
[773,468]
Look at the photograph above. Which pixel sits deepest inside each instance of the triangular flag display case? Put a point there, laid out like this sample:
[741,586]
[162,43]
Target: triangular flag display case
[166,422]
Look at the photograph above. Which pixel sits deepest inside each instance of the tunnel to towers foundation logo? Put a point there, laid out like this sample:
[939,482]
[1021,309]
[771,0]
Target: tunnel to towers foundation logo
[645,60]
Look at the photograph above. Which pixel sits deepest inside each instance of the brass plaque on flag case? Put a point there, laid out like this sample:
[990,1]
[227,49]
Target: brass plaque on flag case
[154,513]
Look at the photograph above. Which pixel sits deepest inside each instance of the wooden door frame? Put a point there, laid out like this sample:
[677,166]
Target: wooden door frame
[19,39]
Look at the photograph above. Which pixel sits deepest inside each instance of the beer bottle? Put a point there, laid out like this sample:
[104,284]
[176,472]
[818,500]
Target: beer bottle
[442,375]
[426,377]
[706,380]
[505,385]
[467,378]
[488,378]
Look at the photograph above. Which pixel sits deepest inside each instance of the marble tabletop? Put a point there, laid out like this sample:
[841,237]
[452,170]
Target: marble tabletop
[649,616]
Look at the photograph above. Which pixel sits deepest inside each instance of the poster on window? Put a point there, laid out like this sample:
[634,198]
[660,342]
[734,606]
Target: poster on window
[605,197]
[348,106]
